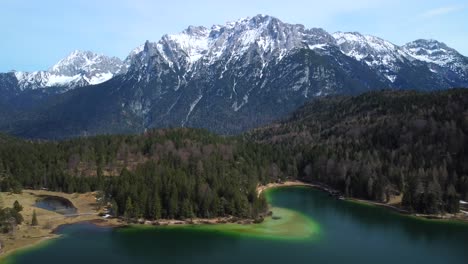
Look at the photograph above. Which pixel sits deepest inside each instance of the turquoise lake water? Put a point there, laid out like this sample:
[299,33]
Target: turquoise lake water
[316,229]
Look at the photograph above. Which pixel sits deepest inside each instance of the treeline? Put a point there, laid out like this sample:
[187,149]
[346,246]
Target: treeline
[382,145]
[173,173]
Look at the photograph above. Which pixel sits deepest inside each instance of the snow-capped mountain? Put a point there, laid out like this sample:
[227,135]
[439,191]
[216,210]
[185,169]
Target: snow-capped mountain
[394,61]
[227,78]
[266,36]
[80,68]
[377,53]
[271,40]
[438,54]
[432,51]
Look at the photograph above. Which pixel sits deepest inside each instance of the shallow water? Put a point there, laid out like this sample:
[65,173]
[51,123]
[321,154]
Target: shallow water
[56,204]
[313,229]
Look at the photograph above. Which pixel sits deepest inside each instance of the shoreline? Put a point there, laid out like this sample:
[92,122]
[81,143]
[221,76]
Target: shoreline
[118,222]
[460,217]
[41,240]
[262,188]
[27,236]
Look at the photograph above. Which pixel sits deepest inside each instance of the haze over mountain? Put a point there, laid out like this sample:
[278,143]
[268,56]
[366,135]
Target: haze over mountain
[227,78]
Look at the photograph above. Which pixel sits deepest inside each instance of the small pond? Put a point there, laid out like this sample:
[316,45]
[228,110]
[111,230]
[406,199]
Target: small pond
[56,204]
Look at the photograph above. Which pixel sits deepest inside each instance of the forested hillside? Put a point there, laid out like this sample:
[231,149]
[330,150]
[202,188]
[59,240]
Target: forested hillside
[176,173]
[382,144]
[377,146]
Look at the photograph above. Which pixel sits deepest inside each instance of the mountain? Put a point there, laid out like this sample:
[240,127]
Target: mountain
[407,66]
[80,68]
[440,57]
[227,78]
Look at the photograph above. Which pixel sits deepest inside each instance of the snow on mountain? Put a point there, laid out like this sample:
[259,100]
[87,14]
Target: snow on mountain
[250,72]
[438,53]
[195,41]
[375,52]
[260,40]
[431,51]
[80,68]
[265,35]
[389,58]
[265,41]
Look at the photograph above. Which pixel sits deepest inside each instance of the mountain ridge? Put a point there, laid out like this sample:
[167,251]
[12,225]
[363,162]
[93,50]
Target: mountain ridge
[195,42]
[248,72]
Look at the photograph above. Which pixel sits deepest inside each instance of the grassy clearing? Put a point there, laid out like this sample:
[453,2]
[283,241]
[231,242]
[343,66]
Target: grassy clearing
[27,235]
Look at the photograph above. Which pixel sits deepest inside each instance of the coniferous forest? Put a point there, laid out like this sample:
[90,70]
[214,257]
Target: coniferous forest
[374,146]
[383,144]
[174,173]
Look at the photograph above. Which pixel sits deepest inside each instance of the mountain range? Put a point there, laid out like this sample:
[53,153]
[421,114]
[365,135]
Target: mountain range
[227,78]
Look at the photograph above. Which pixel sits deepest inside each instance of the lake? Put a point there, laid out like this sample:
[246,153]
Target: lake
[311,228]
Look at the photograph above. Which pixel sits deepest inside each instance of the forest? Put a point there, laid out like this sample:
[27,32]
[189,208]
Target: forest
[381,145]
[377,146]
[172,173]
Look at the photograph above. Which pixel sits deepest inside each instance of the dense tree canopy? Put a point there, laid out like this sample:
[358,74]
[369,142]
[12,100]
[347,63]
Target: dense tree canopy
[381,144]
[174,173]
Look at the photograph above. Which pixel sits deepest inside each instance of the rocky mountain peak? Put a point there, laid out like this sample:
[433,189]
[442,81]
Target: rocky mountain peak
[79,68]
[433,51]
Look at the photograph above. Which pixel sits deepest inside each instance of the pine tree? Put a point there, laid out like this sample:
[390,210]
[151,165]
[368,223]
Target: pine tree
[17,206]
[34,221]
[129,209]
[114,210]
[157,208]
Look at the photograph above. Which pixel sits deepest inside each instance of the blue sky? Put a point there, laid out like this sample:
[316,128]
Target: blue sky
[36,34]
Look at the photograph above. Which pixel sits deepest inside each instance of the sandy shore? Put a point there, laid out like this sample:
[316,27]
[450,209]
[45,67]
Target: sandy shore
[261,188]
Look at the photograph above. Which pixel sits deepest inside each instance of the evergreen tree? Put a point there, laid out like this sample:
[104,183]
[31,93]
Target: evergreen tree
[34,221]
[129,209]
[17,206]
[157,210]
[114,209]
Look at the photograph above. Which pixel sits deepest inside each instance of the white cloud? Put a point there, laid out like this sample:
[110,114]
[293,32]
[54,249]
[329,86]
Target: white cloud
[442,11]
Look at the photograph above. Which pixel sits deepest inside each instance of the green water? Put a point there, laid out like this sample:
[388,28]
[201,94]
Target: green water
[313,228]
